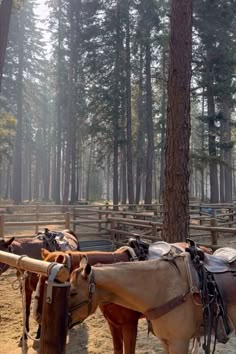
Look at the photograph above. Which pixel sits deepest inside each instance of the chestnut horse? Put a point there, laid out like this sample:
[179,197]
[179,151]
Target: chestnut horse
[122,322]
[157,288]
[51,240]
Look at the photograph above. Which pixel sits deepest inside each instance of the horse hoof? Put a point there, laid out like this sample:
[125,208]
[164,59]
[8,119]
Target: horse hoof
[20,344]
[36,345]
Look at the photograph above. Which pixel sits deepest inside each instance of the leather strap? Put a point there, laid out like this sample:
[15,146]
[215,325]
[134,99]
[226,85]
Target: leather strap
[167,307]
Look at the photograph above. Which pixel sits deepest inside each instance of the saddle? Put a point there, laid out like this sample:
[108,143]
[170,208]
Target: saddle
[55,240]
[145,251]
[217,287]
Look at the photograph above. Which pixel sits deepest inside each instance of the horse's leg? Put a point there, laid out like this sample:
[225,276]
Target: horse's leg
[38,334]
[195,347]
[178,347]
[28,298]
[129,336]
[117,338]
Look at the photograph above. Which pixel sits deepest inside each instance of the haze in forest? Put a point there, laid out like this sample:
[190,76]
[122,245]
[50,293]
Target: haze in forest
[84,99]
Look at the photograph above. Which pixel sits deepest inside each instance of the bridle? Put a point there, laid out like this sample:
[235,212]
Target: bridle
[88,302]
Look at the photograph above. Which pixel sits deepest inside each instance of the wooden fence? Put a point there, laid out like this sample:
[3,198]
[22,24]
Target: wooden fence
[102,221]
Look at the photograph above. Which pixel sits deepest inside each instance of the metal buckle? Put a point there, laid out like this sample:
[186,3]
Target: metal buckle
[92,287]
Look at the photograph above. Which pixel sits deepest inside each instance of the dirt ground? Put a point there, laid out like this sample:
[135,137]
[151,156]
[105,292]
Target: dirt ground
[90,337]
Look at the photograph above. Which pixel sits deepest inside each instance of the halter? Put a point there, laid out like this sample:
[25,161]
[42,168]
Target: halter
[92,288]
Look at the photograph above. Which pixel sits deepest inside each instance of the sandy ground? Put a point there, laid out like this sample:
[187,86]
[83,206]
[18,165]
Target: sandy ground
[91,337]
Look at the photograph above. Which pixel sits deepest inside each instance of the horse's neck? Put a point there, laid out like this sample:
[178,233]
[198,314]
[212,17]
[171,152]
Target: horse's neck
[99,257]
[140,286]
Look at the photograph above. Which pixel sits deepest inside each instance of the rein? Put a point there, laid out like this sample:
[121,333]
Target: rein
[92,287]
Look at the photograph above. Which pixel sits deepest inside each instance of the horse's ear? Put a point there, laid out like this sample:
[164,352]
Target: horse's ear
[10,241]
[60,259]
[86,267]
[86,271]
[44,253]
[83,261]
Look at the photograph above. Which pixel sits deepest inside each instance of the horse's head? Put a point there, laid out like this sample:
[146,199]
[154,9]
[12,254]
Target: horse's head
[82,300]
[56,256]
[6,247]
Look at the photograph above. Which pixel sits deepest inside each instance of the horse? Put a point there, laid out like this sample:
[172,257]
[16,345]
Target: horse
[51,240]
[160,289]
[122,322]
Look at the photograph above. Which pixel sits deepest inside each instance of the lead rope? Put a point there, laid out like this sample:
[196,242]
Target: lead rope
[25,333]
[23,299]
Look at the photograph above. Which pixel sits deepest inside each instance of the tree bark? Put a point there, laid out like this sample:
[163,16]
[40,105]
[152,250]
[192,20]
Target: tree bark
[176,189]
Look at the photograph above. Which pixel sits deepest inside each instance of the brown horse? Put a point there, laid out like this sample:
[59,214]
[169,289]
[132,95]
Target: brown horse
[51,240]
[166,299]
[122,322]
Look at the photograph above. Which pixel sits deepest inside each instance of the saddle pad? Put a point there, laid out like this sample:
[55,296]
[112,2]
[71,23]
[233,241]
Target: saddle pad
[158,249]
[226,253]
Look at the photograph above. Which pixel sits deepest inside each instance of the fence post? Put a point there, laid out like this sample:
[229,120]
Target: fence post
[231,217]
[54,318]
[213,223]
[37,219]
[200,214]
[113,226]
[74,219]
[67,220]
[2,221]
[154,229]
[99,218]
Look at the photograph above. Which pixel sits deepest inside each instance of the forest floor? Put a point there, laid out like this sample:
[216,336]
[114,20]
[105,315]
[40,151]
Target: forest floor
[90,337]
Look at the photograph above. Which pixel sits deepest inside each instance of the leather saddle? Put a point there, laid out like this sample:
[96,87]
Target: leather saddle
[55,240]
[145,251]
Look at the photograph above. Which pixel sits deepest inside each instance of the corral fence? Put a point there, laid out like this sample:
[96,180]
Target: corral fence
[103,222]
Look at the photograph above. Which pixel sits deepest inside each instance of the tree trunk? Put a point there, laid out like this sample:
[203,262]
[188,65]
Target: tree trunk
[163,121]
[17,164]
[228,151]
[140,133]
[59,113]
[89,172]
[108,177]
[149,122]
[5,14]
[116,113]
[128,108]
[214,197]
[222,169]
[176,192]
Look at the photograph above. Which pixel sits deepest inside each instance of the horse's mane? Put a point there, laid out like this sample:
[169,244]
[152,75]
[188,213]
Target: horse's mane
[170,259]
